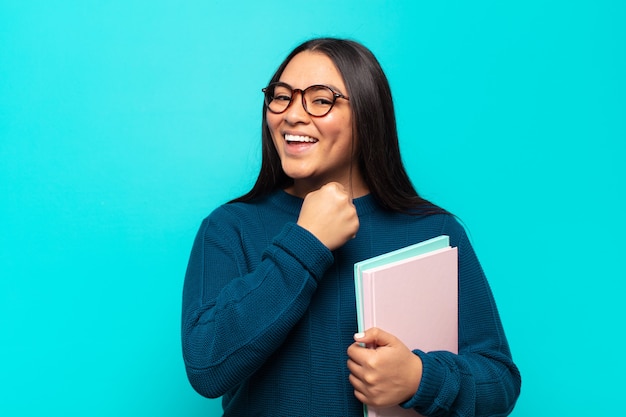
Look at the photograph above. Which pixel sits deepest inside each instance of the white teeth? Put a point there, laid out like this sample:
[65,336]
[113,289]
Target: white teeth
[303,139]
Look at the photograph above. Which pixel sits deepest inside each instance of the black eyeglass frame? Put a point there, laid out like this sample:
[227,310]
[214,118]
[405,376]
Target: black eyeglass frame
[267,99]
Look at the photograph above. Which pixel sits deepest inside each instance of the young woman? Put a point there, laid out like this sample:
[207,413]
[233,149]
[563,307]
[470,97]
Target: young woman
[269,315]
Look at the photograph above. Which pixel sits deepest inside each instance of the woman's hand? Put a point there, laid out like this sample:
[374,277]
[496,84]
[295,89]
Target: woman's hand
[386,374]
[328,213]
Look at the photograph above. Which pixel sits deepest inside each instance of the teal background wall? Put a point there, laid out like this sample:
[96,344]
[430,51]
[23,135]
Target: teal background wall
[116,140]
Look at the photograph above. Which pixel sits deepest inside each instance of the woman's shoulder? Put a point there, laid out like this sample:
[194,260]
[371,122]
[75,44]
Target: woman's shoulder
[276,204]
[442,224]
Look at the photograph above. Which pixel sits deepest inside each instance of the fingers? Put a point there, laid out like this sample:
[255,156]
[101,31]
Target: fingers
[376,337]
[361,352]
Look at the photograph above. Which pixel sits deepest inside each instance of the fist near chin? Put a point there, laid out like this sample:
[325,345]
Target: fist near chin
[328,213]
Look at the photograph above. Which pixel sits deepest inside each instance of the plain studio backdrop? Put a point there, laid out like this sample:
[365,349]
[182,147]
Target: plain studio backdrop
[124,123]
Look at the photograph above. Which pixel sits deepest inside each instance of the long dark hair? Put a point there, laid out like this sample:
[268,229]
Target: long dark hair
[374,127]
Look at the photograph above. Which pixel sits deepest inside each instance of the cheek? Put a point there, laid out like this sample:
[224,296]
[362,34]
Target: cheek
[336,125]
[272,125]
[340,129]
[272,121]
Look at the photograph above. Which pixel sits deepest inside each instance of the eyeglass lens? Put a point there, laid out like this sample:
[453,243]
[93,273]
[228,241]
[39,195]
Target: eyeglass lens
[317,99]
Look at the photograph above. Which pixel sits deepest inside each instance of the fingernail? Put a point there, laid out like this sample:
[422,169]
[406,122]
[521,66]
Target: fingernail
[359,335]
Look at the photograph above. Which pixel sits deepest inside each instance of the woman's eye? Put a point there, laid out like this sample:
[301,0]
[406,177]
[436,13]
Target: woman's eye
[282,97]
[322,101]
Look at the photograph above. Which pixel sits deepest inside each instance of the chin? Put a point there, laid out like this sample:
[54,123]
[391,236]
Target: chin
[297,174]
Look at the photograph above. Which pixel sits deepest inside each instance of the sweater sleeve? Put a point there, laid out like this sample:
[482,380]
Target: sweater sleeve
[235,317]
[482,379]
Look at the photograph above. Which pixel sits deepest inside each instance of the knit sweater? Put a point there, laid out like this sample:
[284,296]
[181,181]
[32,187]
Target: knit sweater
[269,312]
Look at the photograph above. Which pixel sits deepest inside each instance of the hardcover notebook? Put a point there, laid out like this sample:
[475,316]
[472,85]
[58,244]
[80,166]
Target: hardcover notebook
[413,294]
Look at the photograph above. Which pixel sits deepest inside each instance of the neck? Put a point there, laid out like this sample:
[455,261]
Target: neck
[355,186]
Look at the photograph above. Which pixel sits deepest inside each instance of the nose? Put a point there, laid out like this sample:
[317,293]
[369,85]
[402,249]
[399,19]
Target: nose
[296,113]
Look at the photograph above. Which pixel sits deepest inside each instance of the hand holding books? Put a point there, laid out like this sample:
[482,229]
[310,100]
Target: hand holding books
[386,375]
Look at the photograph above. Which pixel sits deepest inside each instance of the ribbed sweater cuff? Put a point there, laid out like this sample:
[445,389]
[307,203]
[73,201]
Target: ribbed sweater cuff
[430,383]
[306,248]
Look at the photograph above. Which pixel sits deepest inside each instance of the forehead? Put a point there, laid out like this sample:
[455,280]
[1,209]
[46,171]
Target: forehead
[309,68]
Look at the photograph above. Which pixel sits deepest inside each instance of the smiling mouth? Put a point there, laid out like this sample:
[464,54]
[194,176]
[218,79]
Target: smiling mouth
[294,139]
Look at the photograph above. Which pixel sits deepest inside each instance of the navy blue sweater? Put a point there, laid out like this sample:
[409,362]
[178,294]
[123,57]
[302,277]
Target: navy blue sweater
[269,312]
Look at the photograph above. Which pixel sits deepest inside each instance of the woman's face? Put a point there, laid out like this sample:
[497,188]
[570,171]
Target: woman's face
[315,150]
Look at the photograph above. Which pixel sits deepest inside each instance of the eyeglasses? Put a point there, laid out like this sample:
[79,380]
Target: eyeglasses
[317,100]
